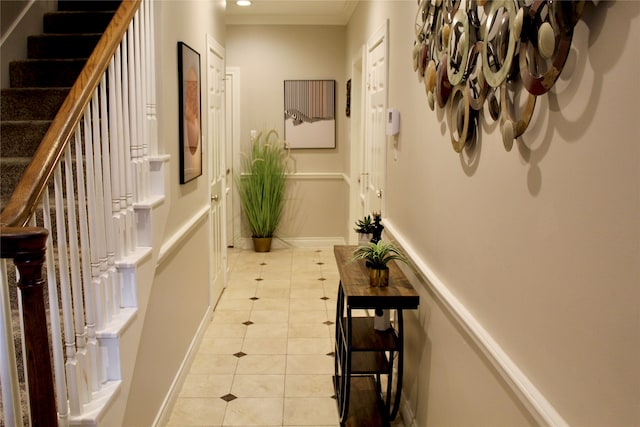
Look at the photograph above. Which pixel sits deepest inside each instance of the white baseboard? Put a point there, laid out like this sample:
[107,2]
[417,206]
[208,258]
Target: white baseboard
[296,242]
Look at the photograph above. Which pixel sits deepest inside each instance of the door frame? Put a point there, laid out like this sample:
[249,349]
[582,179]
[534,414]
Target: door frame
[233,144]
[356,136]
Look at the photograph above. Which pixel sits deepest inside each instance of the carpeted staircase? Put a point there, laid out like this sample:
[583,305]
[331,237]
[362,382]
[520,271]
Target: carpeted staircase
[40,83]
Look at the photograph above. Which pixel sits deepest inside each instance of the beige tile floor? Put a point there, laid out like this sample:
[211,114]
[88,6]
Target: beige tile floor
[266,357]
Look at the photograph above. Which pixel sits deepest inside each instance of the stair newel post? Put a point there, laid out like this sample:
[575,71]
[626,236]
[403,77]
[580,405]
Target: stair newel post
[27,247]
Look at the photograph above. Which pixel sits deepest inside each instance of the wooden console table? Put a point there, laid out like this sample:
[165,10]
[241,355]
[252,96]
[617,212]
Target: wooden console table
[363,354]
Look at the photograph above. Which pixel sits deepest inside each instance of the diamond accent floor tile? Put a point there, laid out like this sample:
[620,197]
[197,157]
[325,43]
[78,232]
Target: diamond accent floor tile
[266,358]
[228,397]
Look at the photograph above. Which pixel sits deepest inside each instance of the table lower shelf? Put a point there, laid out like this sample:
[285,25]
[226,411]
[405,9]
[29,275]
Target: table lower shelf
[365,406]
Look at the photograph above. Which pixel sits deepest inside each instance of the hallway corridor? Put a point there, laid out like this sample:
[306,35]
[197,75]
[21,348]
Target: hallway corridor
[266,357]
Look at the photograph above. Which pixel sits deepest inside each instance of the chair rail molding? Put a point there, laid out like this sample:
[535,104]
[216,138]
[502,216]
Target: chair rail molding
[537,405]
[189,226]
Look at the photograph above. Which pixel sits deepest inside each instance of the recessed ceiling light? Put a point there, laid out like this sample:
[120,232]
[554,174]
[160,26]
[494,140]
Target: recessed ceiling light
[243,3]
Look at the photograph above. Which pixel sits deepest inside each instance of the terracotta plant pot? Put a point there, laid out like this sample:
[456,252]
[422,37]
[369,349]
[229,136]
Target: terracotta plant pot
[378,278]
[262,244]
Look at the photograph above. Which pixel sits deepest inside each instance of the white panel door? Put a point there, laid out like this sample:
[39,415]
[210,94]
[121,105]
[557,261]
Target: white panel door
[217,169]
[374,158]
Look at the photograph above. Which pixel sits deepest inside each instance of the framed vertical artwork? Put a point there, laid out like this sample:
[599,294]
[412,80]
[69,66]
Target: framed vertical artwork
[309,113]
[189,113]
[347,110]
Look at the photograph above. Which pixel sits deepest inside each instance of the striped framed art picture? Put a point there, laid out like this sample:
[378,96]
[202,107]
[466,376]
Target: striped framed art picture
[309,113]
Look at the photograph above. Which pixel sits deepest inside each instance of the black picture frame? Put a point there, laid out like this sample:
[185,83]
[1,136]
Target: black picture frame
[348,107]
[190,113]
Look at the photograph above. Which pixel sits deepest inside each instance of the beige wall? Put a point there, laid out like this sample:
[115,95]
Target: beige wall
[540,244]
[266,56]
[179,299]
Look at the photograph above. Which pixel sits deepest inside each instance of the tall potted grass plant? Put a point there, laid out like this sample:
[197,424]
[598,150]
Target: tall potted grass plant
[261,186]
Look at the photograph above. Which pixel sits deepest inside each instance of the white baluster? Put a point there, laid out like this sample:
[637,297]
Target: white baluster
[100,244]
[65,293]
[133,122]
[76,282]
[140,195]
[150,80]
[54,315]
[123,234]
[114,148]
[113,282]
[92,220]
[143,48]
[128,134]
[89,290]
[8,368]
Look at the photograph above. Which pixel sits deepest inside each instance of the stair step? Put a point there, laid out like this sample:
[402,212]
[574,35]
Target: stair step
[76,22]
[31,103]
[12,170]
[45,72]
[61,46]
[22,138]
[80,5]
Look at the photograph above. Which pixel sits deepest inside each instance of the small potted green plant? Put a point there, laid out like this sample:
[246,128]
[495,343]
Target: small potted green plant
[261,187]
[377,256]
[364,228]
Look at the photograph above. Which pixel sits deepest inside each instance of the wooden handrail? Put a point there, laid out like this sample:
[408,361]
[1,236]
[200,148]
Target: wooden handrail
[24,199]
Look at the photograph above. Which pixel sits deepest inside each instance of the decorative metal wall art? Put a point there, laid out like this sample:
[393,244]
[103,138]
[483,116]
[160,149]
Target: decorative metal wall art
[476,52]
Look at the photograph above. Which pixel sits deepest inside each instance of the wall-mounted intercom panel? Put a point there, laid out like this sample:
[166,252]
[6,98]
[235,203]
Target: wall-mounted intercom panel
[393,121]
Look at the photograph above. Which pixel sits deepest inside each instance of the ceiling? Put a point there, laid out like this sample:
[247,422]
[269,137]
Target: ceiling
[292,12]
